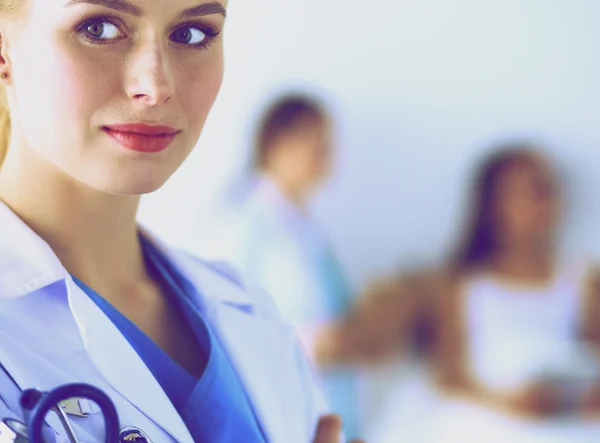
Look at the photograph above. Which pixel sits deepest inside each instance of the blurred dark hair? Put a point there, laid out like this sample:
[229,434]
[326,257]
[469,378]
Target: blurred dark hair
[286,114]
[479,239]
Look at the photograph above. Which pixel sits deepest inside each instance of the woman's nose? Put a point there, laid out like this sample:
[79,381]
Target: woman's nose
[149,78]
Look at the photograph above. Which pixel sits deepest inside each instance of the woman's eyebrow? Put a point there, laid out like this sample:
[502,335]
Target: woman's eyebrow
[118,5]
[204,9]
[129,8]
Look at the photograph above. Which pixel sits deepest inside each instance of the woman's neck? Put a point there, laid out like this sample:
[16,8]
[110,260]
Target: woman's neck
[93,234]
[288,188]
[530,263]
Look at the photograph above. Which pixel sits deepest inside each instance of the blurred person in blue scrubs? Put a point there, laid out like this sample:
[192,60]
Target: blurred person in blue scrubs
[277,242]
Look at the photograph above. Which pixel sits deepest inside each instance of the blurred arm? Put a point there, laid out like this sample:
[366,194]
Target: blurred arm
[380,321]
[591,310]
[590,331]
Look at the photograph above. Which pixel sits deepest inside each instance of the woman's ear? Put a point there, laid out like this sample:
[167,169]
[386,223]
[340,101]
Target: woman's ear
[4,61]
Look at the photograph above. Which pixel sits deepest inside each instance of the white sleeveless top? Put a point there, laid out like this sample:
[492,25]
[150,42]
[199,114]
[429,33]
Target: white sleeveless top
[516,333]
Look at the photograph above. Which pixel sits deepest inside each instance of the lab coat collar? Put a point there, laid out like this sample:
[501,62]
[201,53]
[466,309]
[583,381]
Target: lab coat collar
[27,263]
[213,281]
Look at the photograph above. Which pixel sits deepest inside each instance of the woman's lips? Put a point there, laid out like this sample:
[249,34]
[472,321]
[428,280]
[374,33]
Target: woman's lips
[142,137]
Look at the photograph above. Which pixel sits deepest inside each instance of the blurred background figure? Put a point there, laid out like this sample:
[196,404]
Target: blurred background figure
[518,335]
[274,240]
[516,323]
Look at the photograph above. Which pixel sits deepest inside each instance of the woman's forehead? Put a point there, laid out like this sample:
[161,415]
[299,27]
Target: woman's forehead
[179,8]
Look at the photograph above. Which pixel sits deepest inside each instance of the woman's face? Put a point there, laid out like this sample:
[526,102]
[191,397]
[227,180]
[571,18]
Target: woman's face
[528,201]
[304,155]
[81,69]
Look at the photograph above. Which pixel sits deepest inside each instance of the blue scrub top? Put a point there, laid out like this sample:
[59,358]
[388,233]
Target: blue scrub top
[214,408]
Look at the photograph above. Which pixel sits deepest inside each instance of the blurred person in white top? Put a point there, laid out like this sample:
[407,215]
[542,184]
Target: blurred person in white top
[517,324]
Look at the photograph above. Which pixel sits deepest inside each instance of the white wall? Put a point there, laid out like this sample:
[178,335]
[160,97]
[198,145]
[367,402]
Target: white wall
[420,88]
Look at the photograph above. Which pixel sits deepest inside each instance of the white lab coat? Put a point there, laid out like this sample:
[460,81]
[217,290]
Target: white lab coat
[52,333]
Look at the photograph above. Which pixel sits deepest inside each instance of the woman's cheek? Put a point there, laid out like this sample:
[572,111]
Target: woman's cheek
[199,93]
[82,83]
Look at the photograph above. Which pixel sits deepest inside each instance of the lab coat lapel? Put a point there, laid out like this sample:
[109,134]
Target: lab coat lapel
[262,351]
[120,365]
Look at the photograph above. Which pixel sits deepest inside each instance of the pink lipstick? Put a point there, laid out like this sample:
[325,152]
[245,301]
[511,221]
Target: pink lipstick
[142,137]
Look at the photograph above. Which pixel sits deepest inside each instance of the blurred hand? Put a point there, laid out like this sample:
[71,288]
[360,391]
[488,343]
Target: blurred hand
[591,402]
[380,321]
[538,400]
[329,344]
[348,342]
[377,326]
[329,430]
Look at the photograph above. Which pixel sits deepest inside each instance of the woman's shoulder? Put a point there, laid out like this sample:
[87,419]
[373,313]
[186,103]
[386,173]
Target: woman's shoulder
[588,275]
[450,279]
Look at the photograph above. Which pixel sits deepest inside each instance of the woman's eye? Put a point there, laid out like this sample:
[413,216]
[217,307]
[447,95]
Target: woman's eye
[102,30]
[189,36]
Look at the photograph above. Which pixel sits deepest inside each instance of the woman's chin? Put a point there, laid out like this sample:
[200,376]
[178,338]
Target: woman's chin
[128,185]
[138,188]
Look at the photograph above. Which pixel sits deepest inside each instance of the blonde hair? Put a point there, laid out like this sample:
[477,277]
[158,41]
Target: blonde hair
[4,124]
[6,7]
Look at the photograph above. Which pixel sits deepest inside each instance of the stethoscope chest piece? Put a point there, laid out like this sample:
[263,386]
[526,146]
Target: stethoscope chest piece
[132,434]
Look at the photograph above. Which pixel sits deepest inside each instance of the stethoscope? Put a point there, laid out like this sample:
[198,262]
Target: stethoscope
[36,405]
